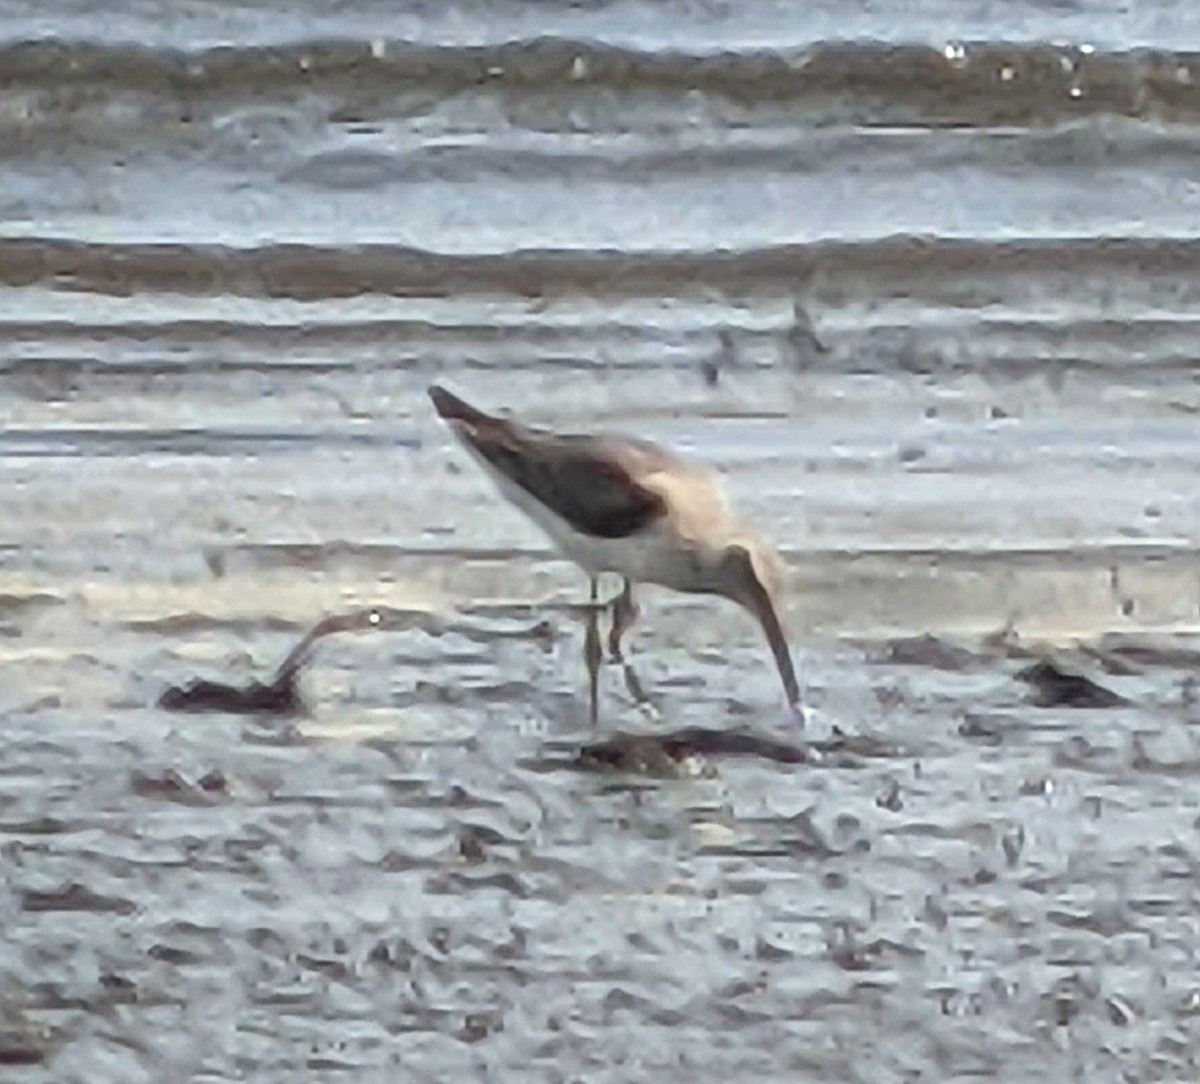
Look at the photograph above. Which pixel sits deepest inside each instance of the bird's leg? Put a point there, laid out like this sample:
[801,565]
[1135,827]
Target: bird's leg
[625,613]
[593,654]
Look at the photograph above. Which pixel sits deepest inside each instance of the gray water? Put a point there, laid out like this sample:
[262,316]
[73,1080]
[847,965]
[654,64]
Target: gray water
[923,285]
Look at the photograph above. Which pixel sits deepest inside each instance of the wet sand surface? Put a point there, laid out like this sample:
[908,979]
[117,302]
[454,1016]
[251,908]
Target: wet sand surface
[929,305]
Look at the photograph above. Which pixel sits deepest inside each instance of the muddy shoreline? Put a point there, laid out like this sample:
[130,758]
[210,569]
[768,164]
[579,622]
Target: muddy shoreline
[930,307]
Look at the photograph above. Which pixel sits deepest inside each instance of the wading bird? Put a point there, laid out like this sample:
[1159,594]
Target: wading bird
[623,505]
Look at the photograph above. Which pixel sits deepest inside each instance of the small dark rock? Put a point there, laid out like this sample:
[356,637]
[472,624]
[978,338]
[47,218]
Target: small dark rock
[726,355]
[334,969]
[168,954]
[380,953]
[170,785]
[889,697]
[1119,1011]
[17,1052]
[770,953]
[76,897]
[890,799]
[927,650]
[982,727]
[470,844]
[1013,843]
[213,782]
[120,990]
[1054,687]
[477,1027]
[1076,751]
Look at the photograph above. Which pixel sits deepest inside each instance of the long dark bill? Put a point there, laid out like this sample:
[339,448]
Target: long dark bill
[765,610]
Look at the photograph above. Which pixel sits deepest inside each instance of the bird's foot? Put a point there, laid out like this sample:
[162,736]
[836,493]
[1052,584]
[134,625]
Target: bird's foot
[633,686]
[650,713]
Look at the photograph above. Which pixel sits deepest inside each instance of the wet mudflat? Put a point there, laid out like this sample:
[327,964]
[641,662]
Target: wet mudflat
[927,299]
[434,862]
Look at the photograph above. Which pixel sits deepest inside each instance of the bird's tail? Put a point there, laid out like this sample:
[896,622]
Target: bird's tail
[453,409]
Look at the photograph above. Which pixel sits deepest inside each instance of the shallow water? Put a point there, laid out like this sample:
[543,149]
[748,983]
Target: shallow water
[924,288]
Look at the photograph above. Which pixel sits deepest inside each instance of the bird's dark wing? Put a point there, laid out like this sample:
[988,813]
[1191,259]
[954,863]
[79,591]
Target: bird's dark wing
[583,480]
[590,482]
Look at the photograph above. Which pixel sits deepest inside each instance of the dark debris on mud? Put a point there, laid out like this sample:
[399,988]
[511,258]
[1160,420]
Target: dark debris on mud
[675,754]
[686,752]
[280,695]
[1053,682]
[1053,686]
[172,786]
[929,650]
[75,897]
[689,752]
[18,1051]
[682,752]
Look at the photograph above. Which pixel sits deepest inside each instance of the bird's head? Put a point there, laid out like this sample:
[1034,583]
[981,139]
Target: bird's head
[750,571]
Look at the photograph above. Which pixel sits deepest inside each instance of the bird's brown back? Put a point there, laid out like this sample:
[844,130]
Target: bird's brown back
[592,482]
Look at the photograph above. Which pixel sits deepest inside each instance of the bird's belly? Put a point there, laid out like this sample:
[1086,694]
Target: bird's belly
[644,557]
